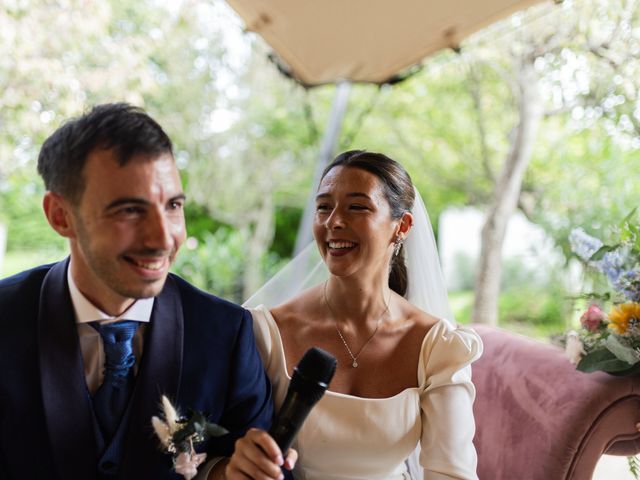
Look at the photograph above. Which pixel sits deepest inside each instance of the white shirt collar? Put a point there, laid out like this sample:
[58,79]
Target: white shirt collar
[86,311]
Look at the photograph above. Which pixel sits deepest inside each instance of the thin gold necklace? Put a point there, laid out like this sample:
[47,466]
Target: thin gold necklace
[354,364]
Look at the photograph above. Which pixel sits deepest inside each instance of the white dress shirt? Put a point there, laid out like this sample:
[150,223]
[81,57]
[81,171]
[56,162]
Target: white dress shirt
[90,340]
[93,350]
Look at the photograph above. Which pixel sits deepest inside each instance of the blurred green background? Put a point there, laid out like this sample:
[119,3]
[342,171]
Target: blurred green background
[247,138]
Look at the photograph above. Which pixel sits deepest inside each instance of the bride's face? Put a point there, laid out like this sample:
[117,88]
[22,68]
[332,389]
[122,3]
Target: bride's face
[352,225]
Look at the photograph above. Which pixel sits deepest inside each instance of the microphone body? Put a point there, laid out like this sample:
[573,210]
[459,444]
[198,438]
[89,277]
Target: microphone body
[309,382]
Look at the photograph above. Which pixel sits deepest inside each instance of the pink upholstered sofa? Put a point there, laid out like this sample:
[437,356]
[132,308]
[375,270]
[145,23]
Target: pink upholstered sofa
[539,419]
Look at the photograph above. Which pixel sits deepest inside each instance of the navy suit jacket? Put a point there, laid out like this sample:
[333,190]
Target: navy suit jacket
[199,351]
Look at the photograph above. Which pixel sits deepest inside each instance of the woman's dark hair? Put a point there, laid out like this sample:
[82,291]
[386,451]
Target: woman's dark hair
[119,126]
[398,190]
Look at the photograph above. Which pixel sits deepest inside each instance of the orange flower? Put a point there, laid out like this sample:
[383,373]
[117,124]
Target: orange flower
[621,315]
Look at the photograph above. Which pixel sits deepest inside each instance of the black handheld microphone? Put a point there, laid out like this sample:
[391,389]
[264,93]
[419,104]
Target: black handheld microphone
[309,382]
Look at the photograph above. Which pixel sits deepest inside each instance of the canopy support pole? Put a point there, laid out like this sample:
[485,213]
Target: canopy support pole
[327,149]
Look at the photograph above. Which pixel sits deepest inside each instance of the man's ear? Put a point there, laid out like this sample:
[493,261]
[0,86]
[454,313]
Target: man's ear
[58,212]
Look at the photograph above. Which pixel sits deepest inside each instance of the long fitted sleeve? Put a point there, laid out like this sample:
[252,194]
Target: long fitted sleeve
[446,403]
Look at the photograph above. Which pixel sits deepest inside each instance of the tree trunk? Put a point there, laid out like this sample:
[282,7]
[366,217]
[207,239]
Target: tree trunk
[258,244]
[505,198]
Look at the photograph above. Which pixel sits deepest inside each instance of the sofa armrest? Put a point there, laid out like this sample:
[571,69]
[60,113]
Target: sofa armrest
[538,417]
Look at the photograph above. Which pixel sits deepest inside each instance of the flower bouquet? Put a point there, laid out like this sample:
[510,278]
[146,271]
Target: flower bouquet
[609,339]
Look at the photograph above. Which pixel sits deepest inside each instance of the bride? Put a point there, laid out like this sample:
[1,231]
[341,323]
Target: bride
[400,403]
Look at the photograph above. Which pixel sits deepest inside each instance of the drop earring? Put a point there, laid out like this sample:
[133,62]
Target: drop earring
[397,245]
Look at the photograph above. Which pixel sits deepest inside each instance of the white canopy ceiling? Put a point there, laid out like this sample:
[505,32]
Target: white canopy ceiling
[324,41]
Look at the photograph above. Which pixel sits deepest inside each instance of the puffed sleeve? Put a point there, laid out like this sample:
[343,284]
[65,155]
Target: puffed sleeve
[446,402]
[263,334]
[270,348]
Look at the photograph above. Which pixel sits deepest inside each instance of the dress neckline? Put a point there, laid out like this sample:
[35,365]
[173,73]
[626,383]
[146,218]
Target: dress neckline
[283,360]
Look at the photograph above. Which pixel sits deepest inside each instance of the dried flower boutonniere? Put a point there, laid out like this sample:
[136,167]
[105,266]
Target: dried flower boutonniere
[179,434]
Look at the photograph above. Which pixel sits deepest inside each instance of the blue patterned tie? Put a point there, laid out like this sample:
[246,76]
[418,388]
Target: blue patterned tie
[110,400]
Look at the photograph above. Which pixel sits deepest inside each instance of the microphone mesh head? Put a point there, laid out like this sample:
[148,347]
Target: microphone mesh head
[318,365]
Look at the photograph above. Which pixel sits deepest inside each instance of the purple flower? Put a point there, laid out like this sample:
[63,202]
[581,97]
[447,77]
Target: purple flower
[583,244]
[611,265]
[628,283]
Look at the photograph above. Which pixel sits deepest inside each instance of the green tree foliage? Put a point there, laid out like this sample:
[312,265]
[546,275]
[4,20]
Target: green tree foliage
[246,138]
[63,58]
[216,262]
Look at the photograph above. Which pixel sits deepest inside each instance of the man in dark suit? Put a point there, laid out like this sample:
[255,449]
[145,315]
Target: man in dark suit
[114,192]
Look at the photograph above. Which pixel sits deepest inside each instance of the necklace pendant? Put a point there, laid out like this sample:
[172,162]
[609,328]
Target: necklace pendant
[354,364]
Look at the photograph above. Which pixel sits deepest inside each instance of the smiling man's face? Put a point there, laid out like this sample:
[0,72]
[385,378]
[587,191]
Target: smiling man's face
[126,229]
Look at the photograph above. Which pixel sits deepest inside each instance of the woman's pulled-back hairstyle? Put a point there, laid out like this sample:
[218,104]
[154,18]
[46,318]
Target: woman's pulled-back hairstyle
[398,190]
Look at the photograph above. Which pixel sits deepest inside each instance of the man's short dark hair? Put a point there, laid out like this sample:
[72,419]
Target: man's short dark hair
[119,126]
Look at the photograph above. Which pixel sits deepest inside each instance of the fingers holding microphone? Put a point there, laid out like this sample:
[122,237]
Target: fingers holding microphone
[258,457]
[290,459]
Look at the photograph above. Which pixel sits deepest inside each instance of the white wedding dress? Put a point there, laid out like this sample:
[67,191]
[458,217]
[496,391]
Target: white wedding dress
[347,437]
[425,432]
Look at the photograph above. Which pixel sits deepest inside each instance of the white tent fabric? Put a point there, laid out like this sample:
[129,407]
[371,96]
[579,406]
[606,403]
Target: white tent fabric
[324,41]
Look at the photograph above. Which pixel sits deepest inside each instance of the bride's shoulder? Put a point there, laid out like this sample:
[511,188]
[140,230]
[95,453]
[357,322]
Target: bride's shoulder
[422,321]
[298,310]
[442,332]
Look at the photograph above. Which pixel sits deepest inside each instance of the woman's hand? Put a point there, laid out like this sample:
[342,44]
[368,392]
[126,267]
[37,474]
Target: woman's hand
[258,457]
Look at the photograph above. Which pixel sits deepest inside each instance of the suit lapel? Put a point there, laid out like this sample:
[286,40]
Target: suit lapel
[159,374]
[66,401]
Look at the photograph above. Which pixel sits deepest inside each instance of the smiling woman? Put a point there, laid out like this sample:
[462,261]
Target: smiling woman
[351,225]
[403,379]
